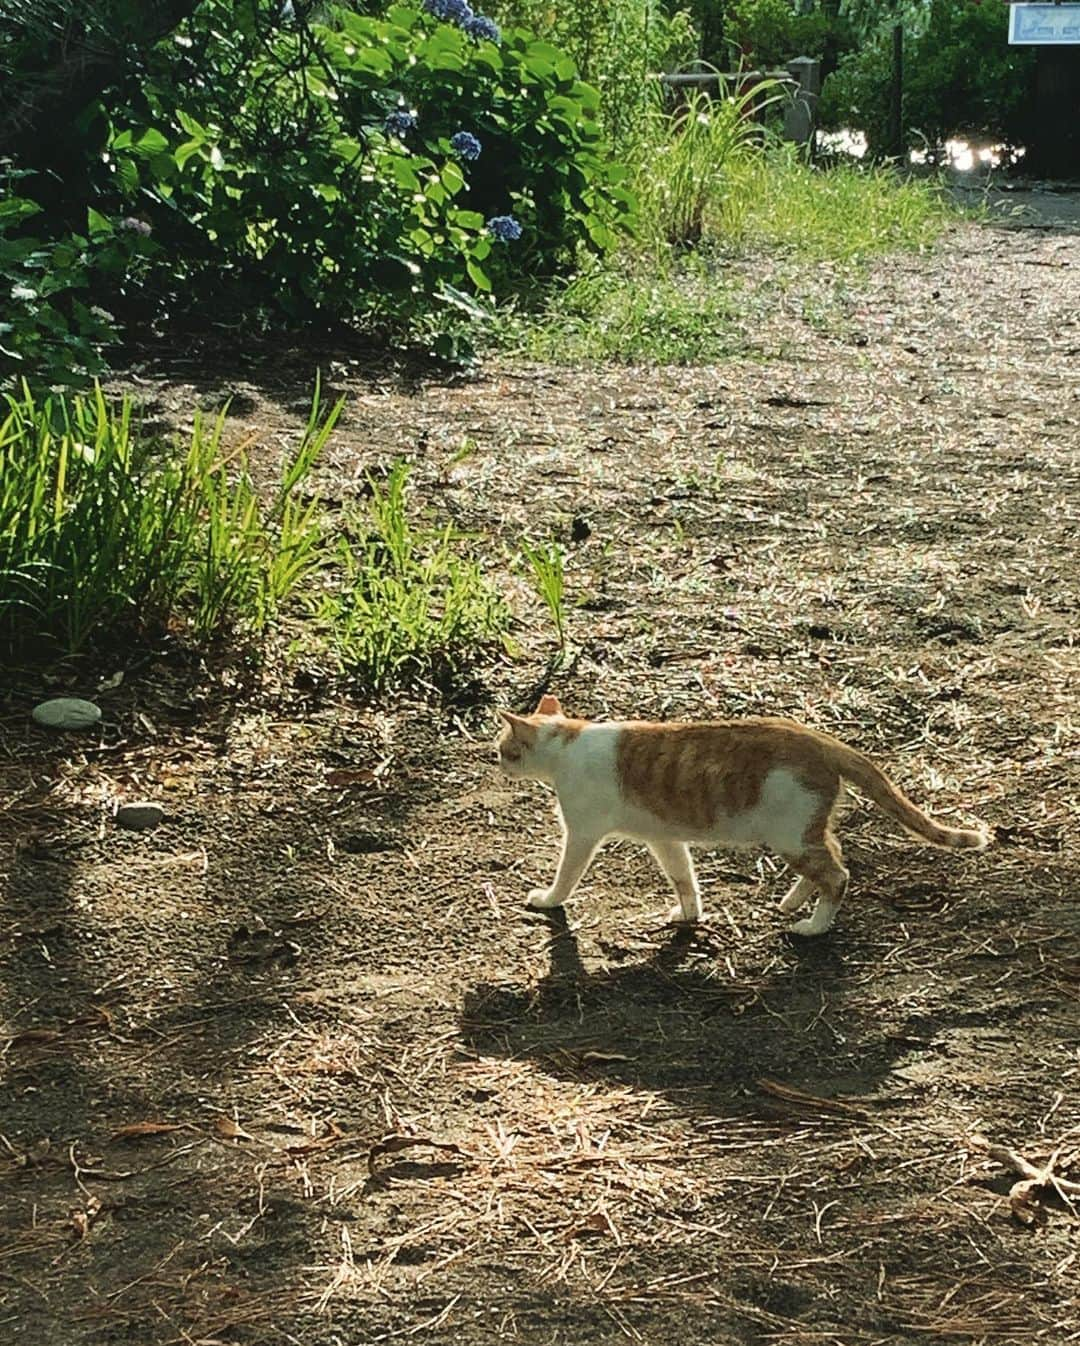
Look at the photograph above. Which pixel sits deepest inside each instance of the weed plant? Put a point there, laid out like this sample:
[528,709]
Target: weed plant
[545,561]
[411,604]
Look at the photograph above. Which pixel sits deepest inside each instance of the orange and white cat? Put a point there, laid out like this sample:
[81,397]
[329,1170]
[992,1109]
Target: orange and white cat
[752,782]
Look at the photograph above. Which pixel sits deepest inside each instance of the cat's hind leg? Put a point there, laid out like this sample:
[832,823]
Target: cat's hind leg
[797,896]
[820,866]
[674,859]
[577,851]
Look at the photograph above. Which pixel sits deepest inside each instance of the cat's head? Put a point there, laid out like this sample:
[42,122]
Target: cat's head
[522,740]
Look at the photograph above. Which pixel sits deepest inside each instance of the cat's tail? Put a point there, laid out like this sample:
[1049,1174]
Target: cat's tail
[872,781]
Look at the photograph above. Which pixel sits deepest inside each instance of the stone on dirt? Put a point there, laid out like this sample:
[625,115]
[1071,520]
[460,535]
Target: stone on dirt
[139,817]
[66,712]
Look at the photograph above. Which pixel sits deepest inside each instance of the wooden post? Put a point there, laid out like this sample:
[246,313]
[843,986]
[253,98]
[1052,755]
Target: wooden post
[1054,147]
[800,114]
[896,94]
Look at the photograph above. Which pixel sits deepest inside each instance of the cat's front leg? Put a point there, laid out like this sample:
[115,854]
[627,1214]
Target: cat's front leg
[675,860]
[578,850]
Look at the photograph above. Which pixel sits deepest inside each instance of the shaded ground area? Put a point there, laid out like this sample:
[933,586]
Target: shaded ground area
[298,1068]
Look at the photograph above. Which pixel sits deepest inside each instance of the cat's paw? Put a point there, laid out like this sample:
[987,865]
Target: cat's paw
[676,916]
[810,927]
[540,899]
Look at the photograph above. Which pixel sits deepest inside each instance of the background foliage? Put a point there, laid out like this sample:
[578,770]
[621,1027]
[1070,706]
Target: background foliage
[961,77]
[398,165]
[297,157]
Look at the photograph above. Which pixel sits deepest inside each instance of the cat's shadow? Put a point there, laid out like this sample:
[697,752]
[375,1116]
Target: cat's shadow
[675,1020]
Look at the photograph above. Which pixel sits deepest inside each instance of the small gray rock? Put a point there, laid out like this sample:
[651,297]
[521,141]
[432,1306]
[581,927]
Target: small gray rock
[139,817]
[66,712]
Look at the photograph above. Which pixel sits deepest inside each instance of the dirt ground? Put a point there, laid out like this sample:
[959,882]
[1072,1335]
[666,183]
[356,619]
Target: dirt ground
[298,1067]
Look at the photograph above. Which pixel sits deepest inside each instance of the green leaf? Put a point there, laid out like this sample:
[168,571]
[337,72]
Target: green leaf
[18,208]
[372,60]
[452,177]
[450,294]
[150,143]
[347,148]
[404,174]
[477,275]
[403,15]
[186,150]
[96,223]
[127,175]
[468,219]
[195,129]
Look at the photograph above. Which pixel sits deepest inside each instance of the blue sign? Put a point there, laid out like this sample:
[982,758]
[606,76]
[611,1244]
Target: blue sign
[1044,25]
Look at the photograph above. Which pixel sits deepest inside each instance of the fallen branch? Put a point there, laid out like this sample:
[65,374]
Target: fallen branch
[1023,1197]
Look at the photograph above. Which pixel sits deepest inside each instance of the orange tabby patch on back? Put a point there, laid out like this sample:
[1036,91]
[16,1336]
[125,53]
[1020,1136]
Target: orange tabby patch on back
[693,774]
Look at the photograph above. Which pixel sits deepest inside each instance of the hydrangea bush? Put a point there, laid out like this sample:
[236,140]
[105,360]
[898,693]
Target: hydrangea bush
[322,162]
[503,129]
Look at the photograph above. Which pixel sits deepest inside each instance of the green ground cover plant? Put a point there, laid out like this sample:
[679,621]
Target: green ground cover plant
[409,603]
[114,538]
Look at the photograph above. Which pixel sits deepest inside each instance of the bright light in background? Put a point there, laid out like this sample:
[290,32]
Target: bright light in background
[959,155]
[844,142]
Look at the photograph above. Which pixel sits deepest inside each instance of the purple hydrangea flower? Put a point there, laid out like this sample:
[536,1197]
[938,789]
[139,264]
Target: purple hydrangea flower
[452,11]
[482,28]
[399,123]
[504,228]
[136,226]
[465,145]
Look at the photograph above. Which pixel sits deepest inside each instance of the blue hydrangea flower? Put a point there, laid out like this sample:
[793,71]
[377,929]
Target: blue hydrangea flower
[135,226]
[504,228]
[482,28]
[465,145]
[399,123]
[452,11]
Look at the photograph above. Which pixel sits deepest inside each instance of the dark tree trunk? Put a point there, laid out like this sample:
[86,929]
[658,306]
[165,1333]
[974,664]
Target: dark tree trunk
[1054,151]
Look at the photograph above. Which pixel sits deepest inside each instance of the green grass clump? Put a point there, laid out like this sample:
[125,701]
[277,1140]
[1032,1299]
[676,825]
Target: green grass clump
[845,213]
[663,309]
[689,161]
[107,534]
[411,605]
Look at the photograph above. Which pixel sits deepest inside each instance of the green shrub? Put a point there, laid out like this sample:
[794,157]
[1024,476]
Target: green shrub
[50,328]
[619,46]
[761,31]
[309,161]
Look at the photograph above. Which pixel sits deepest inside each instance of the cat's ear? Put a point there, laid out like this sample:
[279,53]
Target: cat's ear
[549,705]
[521,729]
